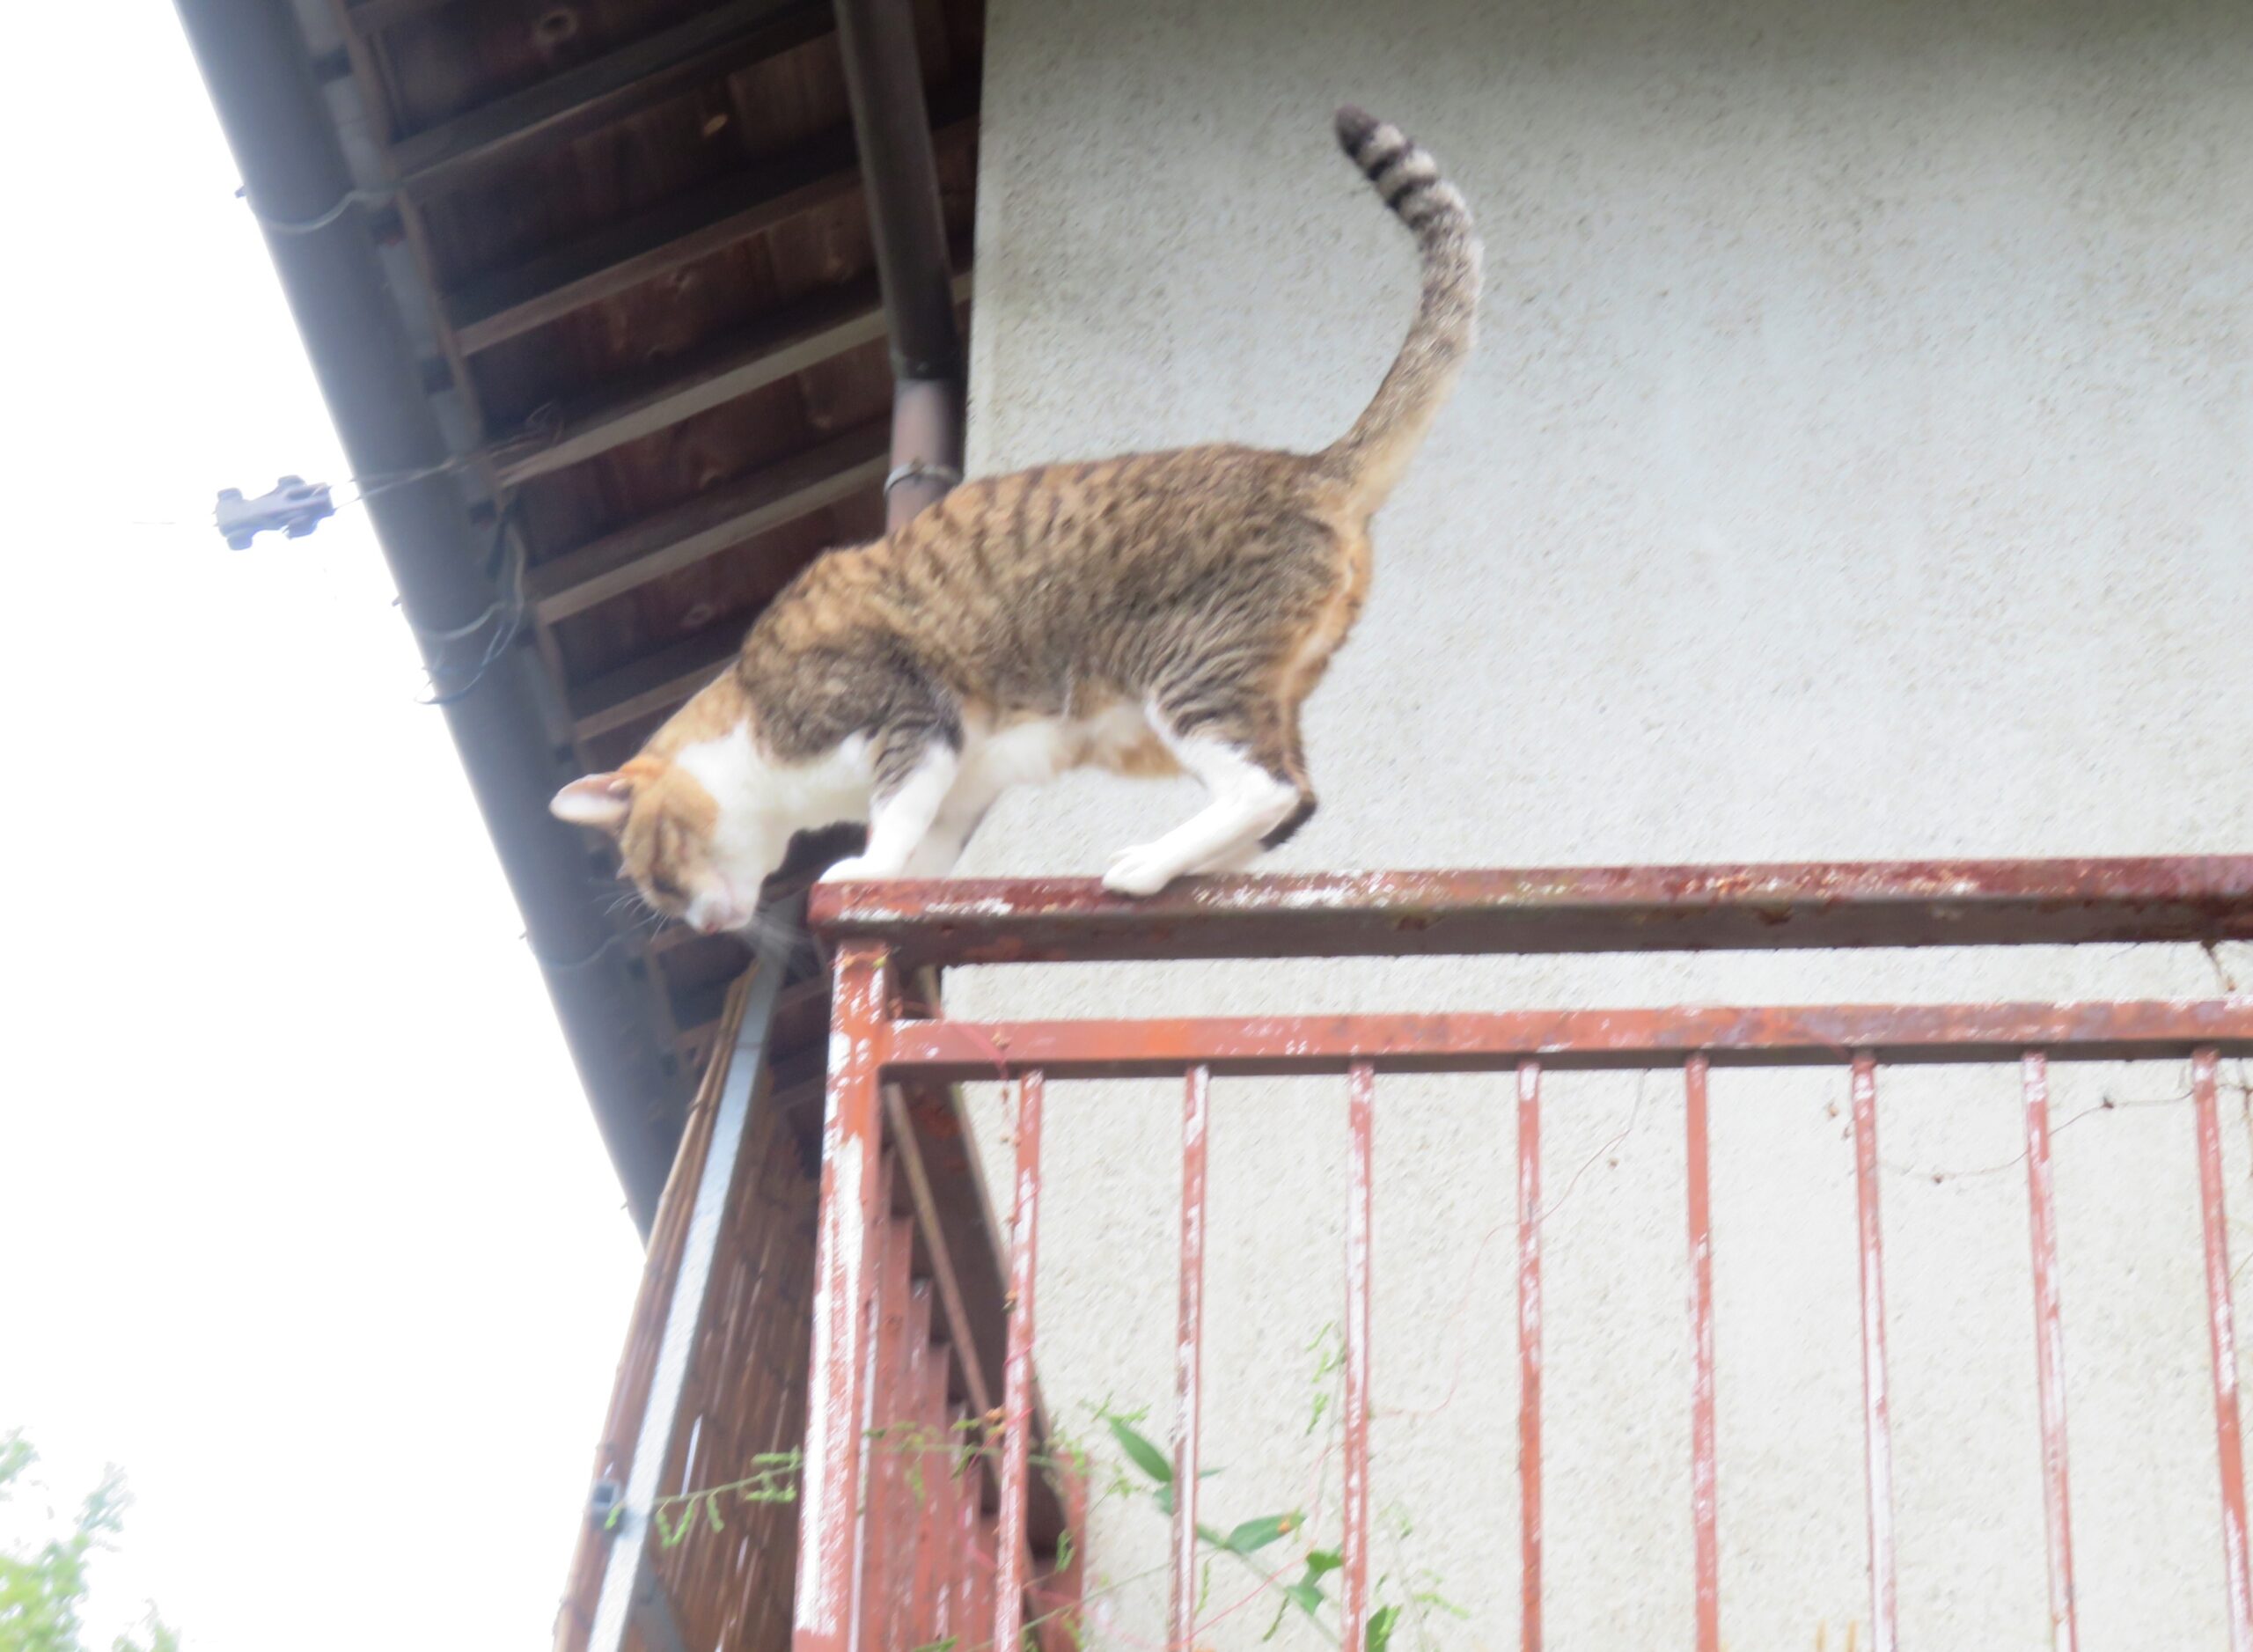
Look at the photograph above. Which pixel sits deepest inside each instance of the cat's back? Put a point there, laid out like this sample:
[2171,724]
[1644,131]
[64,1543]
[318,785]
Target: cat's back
[1078,520]
[1056,561]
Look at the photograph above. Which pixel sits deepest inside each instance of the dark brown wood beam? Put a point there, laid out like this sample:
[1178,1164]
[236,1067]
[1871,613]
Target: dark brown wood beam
[371,17]
[654,683]
[621,256]
[804,335]
[707,46]
[705,526]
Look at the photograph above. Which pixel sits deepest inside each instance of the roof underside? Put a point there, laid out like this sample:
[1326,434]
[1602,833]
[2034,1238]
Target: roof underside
[633,236]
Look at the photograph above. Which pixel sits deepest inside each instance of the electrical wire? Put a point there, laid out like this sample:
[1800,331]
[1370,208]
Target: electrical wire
[509,554]
[345,202]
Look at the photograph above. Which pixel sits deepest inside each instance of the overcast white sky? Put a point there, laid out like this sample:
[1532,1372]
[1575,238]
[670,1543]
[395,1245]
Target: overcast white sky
[304,1220]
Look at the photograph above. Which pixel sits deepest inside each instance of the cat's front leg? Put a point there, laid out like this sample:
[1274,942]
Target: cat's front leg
[943,844]
[900,818]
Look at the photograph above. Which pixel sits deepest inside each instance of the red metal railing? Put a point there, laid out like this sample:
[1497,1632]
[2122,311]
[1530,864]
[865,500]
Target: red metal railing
[879,930]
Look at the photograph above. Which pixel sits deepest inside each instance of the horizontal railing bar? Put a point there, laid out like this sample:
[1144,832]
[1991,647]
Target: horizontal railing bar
[1583,1039]
[1573,909]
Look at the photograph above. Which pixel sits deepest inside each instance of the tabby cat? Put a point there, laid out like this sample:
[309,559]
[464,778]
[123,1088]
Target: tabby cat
[1149,615]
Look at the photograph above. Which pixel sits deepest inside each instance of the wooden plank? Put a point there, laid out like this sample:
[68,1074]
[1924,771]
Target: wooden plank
[677,232]
[710,524]
[788,341]
[706,47]
[656,682]
[371,17]
[629,1581]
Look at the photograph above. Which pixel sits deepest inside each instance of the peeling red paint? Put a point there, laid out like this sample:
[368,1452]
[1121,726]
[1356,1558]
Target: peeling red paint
[1528,1353]
[1573,909]
[1704,1471]
[1800,1035]
[881,928]
[2050,1353]
[2222,1343]
[1877,1415]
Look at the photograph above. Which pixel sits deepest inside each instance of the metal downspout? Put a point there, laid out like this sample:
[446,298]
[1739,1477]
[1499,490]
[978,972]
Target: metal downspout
[899,172]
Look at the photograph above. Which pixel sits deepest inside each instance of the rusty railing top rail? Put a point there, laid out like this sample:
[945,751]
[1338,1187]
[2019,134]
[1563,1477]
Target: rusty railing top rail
[1568,909]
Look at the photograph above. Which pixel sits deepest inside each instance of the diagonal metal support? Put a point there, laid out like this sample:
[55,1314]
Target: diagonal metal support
[632,1596]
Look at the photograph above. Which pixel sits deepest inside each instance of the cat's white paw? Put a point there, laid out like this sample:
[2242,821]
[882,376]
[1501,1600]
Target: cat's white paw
[1240,859]
[1143,869]
[854,869]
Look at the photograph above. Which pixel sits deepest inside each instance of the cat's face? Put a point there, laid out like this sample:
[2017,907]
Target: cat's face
[695,848]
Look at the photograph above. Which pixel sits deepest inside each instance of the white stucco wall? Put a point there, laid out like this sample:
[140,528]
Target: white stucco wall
[1855,462]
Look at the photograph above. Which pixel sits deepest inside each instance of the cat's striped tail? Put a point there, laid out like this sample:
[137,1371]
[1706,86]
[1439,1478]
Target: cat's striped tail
[1372,456]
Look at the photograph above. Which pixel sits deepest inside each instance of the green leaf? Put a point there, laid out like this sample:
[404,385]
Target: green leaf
[1379,1632]
[1255,1535]
[1144,1456]
[1305,1596]
[1320,1561]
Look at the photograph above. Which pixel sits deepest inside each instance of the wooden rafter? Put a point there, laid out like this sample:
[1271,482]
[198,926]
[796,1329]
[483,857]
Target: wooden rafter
[654,683]
[668,237]
[706,47]
[706,525]
[788,341]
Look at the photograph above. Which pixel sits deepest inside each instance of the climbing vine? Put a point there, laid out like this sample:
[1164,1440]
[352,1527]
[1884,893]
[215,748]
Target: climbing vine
[1276,1550]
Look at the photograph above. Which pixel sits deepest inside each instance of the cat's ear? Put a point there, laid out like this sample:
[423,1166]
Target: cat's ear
[600,801]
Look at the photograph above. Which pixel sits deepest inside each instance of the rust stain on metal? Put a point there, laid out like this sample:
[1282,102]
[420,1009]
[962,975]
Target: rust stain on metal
[830,1506]
[2050,1352]
[2222,1345]
[1017,1427]
[1903,903]
[1877,1419]
[1361,1180]
[1704,1473]
[1800,1035]
[1528,1353]
[1189,1358]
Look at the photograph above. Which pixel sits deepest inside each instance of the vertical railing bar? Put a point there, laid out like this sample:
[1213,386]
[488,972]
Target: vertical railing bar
[1189,1356]
[1703,1477]
[2049,1350]
[838,1387]
[2221,1336]
[1877,1426]
[1360,1106]
[1016,1426]
[969,1511]
[1528,1351]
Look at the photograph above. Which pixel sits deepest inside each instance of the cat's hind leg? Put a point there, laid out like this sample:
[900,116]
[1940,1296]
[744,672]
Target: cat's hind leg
[1246,759]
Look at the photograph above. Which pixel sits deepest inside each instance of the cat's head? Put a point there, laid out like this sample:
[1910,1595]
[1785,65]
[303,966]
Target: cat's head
[696,844]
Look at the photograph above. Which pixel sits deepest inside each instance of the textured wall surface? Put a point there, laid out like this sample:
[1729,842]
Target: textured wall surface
[1855,462]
